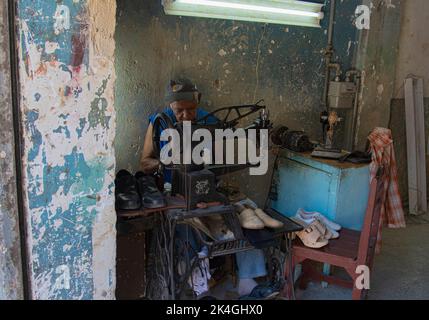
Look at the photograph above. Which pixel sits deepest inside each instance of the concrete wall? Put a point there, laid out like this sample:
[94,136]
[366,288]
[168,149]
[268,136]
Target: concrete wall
[413,57]
[413,60]
[377,57]
[66,69]
[231,62]
[11,287]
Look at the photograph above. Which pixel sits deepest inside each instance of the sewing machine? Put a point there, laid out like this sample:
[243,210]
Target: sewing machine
[197,182]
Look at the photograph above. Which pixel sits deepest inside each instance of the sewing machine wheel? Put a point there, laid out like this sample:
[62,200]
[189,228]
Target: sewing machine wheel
[182,270]
[157,274]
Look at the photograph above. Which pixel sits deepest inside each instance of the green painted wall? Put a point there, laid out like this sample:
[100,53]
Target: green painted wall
[231,62]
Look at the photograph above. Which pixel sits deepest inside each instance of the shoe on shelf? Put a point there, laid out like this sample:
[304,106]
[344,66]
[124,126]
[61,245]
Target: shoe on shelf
[309,217]
[151,197]
[312,237]
[126,192]
[267,220]
[249,220]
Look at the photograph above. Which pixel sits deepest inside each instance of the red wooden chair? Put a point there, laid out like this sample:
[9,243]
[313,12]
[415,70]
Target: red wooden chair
[352,249]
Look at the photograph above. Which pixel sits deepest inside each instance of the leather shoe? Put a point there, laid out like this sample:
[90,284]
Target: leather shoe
[151,197]
[126,192]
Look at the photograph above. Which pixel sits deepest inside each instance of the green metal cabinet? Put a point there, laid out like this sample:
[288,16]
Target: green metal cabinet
[337,190]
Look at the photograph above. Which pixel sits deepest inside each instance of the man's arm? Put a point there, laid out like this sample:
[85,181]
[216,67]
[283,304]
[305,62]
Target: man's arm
[148,162]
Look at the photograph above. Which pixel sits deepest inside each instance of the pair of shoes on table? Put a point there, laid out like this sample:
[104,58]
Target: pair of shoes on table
[256,219]
[318,229]
[133,192]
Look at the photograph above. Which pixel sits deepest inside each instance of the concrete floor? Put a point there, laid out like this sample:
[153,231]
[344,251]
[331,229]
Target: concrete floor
[401,271]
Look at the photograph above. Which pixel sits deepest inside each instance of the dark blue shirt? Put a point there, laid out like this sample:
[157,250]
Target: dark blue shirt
[200,114]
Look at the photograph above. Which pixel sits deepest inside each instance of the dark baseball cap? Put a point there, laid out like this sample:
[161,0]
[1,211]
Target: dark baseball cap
[182,89]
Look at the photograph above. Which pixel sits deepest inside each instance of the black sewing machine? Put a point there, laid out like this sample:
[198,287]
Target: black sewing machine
[197,182]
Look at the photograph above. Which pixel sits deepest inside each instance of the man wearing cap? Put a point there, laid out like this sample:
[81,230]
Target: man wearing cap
[182,98]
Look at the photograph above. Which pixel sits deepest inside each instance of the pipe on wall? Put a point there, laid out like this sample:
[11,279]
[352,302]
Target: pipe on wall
[329,51]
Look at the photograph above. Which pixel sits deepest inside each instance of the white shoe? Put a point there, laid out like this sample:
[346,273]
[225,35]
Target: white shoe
[249,220]
[327,232]
[267,220]
[305,223]
[308,217]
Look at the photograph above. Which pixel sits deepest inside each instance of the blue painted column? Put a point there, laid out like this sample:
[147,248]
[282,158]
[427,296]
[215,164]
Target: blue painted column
[66,68]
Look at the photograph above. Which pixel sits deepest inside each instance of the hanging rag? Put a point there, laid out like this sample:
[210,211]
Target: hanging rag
[383,154]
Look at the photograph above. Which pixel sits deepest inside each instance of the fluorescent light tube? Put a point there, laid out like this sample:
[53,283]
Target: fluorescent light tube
[232,5]
[289,12]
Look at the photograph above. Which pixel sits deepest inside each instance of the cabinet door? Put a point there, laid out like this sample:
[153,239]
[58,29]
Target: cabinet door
[303,186]
[353,195]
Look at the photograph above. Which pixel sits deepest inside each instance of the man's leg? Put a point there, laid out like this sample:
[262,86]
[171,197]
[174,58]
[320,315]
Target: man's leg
[251,264]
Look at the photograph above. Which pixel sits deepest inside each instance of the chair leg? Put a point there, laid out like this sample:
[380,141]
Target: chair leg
[288,288]
[357,294]
[305,274]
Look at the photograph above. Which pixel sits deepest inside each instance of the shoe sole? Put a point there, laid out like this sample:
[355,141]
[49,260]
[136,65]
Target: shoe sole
[154,206]
[129,207]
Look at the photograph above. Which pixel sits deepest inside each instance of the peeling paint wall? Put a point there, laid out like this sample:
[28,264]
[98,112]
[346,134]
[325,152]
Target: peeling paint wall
[231,62]
[66,68]
[11,286]
[377,57]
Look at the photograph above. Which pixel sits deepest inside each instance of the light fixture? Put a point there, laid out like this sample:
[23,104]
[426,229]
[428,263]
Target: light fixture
[290,12]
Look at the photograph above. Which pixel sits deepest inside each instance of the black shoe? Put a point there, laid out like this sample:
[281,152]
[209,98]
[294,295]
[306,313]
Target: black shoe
[151,197]
[126,192]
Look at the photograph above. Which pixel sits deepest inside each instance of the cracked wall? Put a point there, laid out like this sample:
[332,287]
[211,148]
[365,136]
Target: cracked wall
[66,68]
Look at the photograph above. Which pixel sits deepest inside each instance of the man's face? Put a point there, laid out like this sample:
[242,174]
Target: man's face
[184,110]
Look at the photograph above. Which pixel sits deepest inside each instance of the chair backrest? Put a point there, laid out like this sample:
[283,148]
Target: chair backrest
[369,234]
